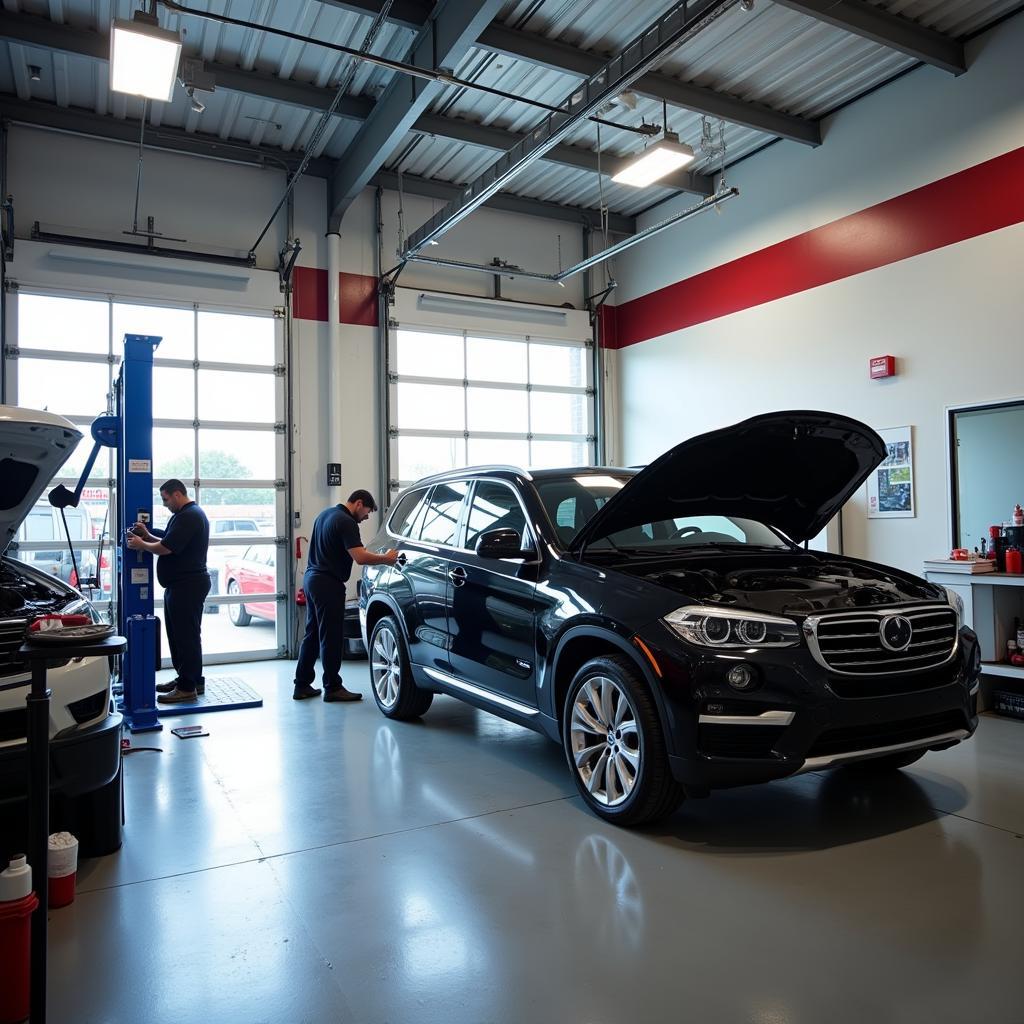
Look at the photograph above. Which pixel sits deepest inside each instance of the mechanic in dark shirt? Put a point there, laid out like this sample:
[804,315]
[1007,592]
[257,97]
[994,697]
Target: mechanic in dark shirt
[181,569]
[334,545]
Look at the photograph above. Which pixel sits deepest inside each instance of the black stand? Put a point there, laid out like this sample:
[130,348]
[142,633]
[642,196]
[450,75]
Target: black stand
[38,700]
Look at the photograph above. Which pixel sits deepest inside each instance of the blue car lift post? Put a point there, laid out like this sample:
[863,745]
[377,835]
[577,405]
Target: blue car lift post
[134,569]
[130,432]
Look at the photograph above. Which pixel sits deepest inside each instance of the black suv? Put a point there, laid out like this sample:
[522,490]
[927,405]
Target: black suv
[665,625]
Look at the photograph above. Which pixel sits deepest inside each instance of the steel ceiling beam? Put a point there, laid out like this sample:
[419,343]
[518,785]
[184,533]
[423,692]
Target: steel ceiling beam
[87,122]
[889,30]
[581,63]
[434,189]
[558,56]
[680,23]
[443,41]
[489,137]
[51,36]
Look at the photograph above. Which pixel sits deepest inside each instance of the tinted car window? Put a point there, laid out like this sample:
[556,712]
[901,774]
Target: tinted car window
[571,501]
[404,516]
[441,521]
[494,507]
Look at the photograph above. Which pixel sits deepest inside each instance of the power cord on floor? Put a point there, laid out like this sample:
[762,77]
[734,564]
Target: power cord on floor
[127,748]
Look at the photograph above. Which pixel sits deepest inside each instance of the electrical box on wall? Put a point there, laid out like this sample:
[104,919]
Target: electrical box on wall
[883,366]
[333,474]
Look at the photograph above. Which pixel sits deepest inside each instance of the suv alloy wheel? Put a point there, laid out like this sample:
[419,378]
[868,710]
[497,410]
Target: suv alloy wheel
[615,745]
[396,693]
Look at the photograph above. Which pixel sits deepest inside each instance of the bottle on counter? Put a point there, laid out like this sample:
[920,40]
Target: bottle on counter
[1014,562]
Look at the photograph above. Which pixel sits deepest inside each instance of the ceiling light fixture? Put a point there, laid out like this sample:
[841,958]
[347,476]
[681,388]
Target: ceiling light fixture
[144,57]
[662,156]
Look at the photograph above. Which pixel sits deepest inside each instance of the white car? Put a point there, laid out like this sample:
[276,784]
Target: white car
[85,731]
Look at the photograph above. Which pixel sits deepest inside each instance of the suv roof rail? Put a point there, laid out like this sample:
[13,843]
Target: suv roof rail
[456,474]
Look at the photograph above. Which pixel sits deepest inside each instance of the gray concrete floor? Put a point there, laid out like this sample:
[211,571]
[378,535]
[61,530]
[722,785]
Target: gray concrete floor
[318,863]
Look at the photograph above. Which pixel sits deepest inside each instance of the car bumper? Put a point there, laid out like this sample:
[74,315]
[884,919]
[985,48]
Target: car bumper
[796,721]
[80,762]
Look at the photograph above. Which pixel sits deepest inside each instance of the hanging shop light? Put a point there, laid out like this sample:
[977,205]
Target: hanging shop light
[663,155]
[144,57]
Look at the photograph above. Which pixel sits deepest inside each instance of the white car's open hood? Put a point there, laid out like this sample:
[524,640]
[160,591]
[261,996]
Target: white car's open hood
[33,446]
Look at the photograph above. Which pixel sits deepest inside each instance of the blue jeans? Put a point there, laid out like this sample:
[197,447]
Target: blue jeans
[183,620]
[325,628]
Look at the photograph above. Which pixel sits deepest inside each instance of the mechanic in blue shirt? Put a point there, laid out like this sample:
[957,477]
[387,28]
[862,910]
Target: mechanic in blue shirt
[181,569]
[334,545]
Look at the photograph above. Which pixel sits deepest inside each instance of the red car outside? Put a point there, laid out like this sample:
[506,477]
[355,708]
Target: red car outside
[254,573]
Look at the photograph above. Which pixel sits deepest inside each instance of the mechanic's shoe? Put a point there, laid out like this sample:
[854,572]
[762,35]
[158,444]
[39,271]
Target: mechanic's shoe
[173,685]
[177,697]
[341,694]
[304,691]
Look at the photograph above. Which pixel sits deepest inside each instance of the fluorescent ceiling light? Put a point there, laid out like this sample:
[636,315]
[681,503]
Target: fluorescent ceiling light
[663,156]
[144,58]
[490,309]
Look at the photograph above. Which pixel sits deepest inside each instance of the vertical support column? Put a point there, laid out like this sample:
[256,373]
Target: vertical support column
[135,502]
[38,712]
[335,360]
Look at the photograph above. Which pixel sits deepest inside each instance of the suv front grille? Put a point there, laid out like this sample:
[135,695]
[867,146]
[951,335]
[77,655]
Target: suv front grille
[850,643]
[12,636]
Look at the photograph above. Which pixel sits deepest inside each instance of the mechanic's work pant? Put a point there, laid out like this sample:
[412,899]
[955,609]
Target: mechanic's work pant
[183,620]
[325,628]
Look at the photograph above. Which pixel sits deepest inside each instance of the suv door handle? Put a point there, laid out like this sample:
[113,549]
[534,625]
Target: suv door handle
[401,560]
[457,576]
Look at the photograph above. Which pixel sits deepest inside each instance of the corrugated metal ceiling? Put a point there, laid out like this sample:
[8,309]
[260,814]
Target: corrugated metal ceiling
[770,55]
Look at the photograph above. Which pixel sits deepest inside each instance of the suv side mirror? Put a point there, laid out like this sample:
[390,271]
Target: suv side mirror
[500,544]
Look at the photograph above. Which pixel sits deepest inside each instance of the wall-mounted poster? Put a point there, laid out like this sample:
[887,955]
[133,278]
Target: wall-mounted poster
[891,486]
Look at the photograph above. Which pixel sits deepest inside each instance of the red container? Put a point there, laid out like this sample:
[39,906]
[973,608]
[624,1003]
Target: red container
[61,891]
[1014,561]
[15,933]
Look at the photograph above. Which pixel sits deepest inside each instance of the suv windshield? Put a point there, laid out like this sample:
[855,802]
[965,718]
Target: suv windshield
[571,501]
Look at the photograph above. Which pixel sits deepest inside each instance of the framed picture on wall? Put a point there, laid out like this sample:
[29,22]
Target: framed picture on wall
[891,486]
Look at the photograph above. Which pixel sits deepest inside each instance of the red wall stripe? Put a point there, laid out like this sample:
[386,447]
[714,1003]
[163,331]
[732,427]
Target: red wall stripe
[973,202]
[359,300]
[309,294]
[358,297]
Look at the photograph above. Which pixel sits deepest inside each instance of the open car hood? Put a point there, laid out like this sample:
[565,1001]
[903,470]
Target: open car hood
[33,446]
[789,470]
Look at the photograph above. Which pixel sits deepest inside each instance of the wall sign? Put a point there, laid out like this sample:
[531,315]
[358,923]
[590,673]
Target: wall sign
[891,485]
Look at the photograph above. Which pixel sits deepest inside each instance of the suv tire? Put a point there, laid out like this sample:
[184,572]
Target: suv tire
[394,689]
[615,744]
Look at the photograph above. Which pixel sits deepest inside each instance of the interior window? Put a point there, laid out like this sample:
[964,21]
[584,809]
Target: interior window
[441,521]
[405,513]
[495,507]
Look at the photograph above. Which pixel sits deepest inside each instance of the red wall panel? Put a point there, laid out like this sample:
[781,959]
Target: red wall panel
[982,198]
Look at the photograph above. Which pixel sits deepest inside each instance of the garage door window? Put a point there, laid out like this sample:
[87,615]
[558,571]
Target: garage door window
[460,398]
[218,411]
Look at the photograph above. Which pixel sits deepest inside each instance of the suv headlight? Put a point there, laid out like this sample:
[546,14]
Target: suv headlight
[719,627]
[79,606]
[956,602]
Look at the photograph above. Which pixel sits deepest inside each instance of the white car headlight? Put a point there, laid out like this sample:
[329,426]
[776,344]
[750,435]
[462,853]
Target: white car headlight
[723,628]
[78,606]
[956,602]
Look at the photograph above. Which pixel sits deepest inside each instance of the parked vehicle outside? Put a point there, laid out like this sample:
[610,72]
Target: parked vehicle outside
[665,625]
[85,733]
[254,573]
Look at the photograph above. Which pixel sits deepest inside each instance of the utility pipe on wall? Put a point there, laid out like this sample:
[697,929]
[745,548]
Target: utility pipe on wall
[335,356]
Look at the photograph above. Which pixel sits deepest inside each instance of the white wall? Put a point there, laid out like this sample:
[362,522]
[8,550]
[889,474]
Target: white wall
[952,317]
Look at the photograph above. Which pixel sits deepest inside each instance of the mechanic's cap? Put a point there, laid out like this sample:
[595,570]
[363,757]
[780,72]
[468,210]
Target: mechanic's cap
[365,497]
